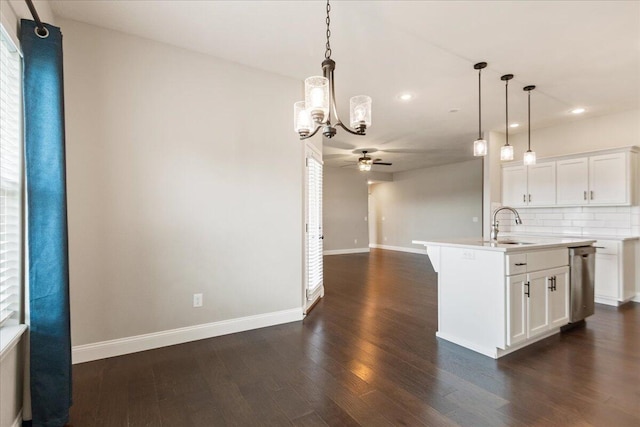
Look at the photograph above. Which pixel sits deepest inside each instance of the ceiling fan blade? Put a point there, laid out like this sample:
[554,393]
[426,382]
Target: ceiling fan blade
[382,163]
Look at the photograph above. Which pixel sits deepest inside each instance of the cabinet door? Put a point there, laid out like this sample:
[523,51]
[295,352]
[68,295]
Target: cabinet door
[514,186]
[607,281]
[608,184]
[516,309]
[572,177]
[559,297]
[537,315]
[541,183]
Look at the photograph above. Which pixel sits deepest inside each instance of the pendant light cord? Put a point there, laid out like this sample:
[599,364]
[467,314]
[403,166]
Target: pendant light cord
[506,108]
[327,53]
[479,104]
[529,119]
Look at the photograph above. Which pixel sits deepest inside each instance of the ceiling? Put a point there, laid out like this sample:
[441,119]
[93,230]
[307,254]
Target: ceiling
[577,53]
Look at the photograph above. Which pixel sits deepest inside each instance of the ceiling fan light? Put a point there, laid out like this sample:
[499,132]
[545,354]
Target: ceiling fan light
[479,148]
[530,158]
[316,97]
[506,152]
[301,118]
[364,166]
[360,111]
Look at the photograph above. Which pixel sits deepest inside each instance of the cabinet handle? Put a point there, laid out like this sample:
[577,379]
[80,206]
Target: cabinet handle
[554,284]
[585,194]
[524,198]
[591,194]
[527,293]
[529,198]
[521,263]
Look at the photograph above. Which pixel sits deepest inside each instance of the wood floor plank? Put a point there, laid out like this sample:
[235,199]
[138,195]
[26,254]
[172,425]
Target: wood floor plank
[367,355]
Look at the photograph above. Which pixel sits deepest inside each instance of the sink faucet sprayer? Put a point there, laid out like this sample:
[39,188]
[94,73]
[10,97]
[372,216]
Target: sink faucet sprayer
[494,224]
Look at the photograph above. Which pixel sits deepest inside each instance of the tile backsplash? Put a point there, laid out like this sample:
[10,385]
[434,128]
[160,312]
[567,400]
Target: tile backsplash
[575,221]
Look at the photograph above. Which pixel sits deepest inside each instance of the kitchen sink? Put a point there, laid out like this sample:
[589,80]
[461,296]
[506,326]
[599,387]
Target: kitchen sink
[508,242]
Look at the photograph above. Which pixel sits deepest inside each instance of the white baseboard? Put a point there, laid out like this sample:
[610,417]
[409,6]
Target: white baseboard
[399,249]
[636,298]
[118,347]
[18,421]
[346,251]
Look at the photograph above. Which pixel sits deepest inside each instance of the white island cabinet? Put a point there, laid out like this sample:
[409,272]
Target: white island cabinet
[495,298]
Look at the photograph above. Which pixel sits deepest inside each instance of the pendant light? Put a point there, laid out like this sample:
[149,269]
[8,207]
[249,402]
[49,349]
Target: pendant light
[314,113]
[506,151]
[480,145]
[529,156]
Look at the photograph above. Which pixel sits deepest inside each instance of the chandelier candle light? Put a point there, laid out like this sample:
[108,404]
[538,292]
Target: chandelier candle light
[506,151]
[529,156]
[480,145]
[314,113]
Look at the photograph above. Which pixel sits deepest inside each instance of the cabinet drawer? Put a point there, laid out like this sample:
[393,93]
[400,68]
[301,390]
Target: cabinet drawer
[516,264]
[536,261]
[547,259]
[611,247]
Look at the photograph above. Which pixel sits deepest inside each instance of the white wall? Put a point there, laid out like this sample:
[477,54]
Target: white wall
[585,134]
[345,226]
[431,203]
[184,176]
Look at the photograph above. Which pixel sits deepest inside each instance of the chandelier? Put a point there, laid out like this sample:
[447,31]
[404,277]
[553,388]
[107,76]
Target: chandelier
[314,113]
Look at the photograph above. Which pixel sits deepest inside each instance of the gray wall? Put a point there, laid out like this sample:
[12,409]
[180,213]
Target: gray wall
[184,176]
[345,209]
[431,203]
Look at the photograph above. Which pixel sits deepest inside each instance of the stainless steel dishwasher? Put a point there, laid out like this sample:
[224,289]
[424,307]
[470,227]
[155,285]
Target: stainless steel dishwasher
[582,277]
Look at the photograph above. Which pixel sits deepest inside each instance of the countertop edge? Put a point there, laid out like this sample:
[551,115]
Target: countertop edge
[516,248]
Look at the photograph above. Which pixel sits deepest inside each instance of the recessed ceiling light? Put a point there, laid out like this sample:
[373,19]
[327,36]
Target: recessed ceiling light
[514,125]
[578,111]
[405,97]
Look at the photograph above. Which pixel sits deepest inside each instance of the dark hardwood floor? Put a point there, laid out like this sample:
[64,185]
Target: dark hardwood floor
[367,355]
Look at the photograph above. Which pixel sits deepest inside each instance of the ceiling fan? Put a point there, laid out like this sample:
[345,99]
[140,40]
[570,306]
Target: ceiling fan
[365,162]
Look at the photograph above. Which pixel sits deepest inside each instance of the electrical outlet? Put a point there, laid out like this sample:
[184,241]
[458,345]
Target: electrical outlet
[355,241]
[385,238]
[468,255]
[197,300]
[474,219]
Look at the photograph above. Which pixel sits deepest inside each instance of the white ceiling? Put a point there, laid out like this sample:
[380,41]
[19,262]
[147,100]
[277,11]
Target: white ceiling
[577,53]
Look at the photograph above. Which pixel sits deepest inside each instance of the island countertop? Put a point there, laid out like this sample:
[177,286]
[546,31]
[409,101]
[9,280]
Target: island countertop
[510,243]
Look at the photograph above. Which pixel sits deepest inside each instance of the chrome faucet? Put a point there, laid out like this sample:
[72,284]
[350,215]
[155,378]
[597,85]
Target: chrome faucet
[494,225]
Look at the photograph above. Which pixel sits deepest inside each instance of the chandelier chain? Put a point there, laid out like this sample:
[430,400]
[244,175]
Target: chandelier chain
[327,53]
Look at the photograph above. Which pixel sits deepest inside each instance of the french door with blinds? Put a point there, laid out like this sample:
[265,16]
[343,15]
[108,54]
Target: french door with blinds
[314,236]
[10,182]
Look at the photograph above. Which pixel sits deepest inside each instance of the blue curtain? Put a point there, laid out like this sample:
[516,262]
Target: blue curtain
[47,226]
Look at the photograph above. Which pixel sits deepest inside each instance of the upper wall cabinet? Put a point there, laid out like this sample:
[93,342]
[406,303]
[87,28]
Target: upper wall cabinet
[529,185]
[608,178]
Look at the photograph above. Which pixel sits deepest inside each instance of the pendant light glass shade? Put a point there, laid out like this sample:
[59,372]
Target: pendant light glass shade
[479,147]
[301,118]
[316,97]
[360,111]
[529,156]
[506,153]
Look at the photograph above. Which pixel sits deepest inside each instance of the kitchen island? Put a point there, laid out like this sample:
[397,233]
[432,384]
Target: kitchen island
[497,297]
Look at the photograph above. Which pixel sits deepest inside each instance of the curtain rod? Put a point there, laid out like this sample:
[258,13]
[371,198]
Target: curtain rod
[42,31]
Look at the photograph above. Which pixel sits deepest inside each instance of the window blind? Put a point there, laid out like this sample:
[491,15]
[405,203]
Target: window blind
[10,181]
[314,226]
